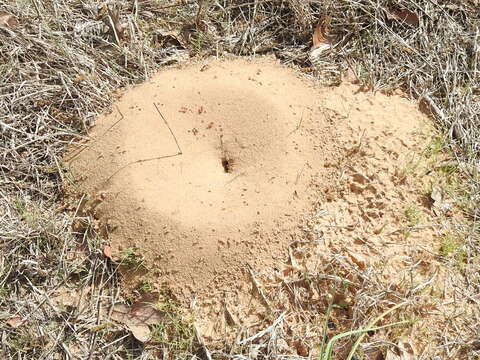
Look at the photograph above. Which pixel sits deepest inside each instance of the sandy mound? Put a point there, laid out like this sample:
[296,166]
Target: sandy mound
[209,168]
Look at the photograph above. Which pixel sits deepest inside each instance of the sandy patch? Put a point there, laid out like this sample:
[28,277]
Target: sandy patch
[209,170]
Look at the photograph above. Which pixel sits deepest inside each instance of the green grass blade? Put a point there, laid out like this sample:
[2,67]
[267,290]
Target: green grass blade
[370,327]
[329,349]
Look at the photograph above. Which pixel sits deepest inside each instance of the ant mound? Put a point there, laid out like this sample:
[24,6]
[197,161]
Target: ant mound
[206,171]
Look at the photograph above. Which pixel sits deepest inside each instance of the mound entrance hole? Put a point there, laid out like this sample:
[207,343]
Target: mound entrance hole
[227,164]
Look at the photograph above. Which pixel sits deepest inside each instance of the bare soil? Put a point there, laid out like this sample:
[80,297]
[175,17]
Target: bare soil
[212,169]
[228,186]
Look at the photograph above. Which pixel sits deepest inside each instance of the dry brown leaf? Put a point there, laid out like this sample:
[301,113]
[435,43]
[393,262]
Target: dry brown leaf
[141,332]
[14,321]
[439,202]
[120,313]
[64,296]
[111,17]
[436,195]
[320,34]
[341,299]
[302,349]
[357,259]
[137,318]
[107,251]
[405,16]
[7,20]
[146,313]
[230,318]
[403,351]
[80,78]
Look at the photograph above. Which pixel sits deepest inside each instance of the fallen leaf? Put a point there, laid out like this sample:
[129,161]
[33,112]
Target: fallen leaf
[302,349]
[403,351]
[404,15]
[439,202]
[436,195]
[357,259]
[120,313]
[146,313]
[320,34]
[14,321]
[137,318]
[141,332]
[107,251]
[79,78]
[64,296]
[230,318]
[7,20]
[171,38]
[111,17]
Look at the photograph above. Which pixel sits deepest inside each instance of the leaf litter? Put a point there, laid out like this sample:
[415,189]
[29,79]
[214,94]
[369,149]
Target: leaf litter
[7,20]
[137,317]
[322,39]
[14,321]
[404,16]
[402,351]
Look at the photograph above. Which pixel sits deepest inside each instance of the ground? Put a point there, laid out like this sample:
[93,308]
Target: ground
[65,291]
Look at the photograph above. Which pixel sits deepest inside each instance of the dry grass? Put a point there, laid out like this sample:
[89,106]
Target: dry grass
[61,65]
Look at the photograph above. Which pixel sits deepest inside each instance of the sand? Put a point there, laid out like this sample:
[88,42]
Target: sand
[210,169]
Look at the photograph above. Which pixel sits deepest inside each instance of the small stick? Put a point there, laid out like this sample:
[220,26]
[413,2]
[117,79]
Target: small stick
[138,162]
[202,343]
[155,158]
[99,137]
[264,331]
[258,290]
[170,129]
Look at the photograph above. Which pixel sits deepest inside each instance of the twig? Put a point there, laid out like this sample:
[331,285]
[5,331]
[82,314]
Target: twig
[202,343]
[258,290]
[265,331]
[170,129]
